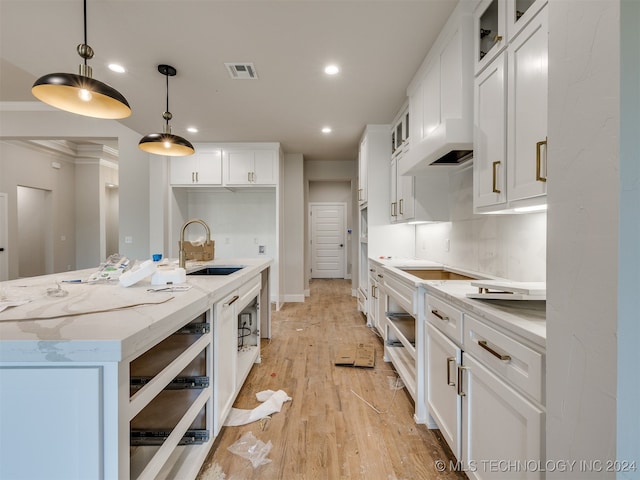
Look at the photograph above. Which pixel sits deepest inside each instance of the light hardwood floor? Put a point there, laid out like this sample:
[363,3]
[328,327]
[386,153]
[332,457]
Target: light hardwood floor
[327,431]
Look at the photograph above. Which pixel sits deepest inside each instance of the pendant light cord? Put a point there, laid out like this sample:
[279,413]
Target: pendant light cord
[167,116]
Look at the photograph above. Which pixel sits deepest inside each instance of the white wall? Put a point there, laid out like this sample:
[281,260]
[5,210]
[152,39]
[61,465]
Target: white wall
[508,246]
[20,165]
[21,120]
[582,262]
[240,221]
[292,262]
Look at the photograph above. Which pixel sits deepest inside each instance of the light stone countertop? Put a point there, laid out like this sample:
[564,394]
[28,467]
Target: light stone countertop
[524,318]
[111,335]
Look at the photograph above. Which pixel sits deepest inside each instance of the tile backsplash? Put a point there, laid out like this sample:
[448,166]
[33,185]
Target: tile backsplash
[508,246]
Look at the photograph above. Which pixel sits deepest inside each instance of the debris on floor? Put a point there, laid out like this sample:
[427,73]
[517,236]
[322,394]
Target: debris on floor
[359,355]
[271,403]
[395,383]
[252,449]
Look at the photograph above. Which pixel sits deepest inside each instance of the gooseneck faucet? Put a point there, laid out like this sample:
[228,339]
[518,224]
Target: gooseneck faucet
[183,254]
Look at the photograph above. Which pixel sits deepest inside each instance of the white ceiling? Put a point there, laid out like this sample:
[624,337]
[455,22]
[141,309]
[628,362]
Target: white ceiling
[379,45]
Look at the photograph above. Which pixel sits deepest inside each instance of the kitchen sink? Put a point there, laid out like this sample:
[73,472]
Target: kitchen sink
[436,274]
[217,270]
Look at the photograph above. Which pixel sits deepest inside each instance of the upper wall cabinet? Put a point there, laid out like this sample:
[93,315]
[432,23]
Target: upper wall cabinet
[441,99]
[203,168]
[497,23]
[510,166]
[250,167]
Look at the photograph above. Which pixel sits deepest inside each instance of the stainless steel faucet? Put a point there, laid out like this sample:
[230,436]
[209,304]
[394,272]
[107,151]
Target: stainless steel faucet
[183,255]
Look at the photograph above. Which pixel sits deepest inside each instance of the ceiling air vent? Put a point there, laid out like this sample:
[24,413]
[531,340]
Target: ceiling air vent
[242,71]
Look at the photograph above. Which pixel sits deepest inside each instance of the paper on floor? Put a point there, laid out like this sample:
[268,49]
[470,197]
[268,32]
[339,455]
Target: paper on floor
[271,403]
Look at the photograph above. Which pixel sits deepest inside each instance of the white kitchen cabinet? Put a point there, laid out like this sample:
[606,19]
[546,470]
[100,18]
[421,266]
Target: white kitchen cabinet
[484,392]
[225,332]
[237,341]
[377,299]
[443,401]
[490,32]
[404,334]
[510,165]
[250,167]
[490,156]
[363,158]
[527,111]
[402,205]
[203,168]
[499,425]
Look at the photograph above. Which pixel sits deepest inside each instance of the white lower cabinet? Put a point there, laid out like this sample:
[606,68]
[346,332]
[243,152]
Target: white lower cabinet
[502,432]
[237,341]
[443,400]
[484,392]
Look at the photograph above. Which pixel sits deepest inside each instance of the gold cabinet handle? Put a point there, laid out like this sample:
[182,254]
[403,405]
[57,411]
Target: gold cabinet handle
[437,314]
[400,206]
[232,301]
[449,382]
[501,356]
[461,369]
[497,38]
[393,209]
[495,188]
[539,177]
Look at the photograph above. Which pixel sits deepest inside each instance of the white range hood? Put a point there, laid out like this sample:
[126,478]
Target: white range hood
[441,100]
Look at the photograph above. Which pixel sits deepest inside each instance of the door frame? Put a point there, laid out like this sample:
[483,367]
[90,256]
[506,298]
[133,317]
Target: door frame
[4,237]
[344,238]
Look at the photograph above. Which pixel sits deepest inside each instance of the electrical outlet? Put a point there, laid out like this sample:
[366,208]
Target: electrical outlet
[128,239]
[261,249]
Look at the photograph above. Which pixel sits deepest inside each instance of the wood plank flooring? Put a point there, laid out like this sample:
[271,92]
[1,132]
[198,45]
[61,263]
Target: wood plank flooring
[327,431]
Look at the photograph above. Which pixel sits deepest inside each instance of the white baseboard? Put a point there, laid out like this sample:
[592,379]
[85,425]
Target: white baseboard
[354,292]
[293,298]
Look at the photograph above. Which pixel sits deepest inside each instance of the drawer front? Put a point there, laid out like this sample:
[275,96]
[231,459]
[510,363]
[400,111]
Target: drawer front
[248,292]
[445,317]
[401,292]
[519,365]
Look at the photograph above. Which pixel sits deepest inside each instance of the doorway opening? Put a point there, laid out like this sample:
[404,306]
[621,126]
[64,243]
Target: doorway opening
[35,231]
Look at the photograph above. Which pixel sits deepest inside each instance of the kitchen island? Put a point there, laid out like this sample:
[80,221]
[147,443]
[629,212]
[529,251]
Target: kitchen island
[108,382]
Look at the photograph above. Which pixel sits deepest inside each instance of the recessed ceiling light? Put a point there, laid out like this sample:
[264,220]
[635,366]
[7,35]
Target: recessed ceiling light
[114,67]
[331,69]
[192,130]
[326,129]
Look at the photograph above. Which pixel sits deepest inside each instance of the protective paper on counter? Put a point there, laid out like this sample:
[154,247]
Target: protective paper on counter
[271,403]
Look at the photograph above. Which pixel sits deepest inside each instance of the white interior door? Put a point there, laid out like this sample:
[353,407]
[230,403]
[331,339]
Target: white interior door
[327,222]
[4,238]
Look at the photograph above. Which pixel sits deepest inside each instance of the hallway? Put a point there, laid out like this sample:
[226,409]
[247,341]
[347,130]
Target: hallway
[328,431]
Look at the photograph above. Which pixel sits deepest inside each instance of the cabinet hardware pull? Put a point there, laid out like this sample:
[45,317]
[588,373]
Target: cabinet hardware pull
[539,177]
[359,194]
[497,38]
[400,206]
[253,177]
[393,209]
[449,382]
[232,301]
[380,275]
[197,179]
[483,344]
[249,177]
[371,270]
[495,188]
[461,369]
[193,177]
[437,314]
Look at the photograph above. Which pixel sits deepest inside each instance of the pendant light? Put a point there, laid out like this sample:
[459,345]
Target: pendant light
[166,143]
[81,94]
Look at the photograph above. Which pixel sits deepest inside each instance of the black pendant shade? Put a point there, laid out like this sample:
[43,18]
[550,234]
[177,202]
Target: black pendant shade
[166,143]
[80,93]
